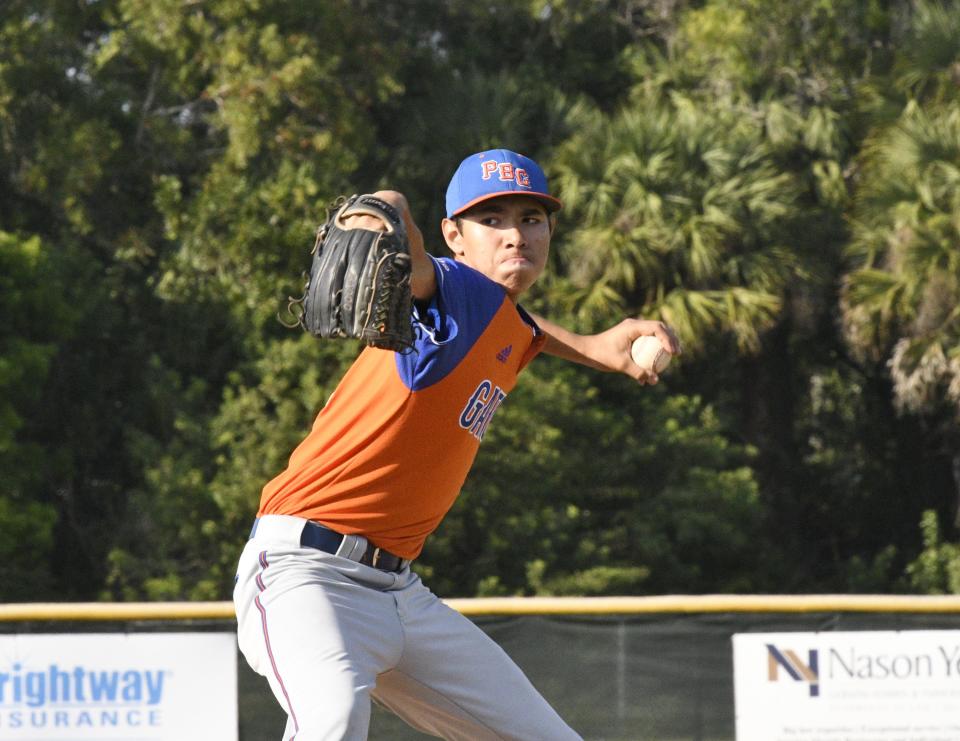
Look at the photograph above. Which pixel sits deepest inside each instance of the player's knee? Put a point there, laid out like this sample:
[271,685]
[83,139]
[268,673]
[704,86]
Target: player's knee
[340,713]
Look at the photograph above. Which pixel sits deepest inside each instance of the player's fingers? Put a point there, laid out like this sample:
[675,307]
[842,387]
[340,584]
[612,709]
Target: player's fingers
[364,221]
[668,338]
[645,377]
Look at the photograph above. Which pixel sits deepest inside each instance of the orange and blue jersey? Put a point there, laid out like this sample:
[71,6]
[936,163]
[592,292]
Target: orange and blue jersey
[389,452]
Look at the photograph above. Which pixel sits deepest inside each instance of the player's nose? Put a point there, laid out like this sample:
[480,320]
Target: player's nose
[512,236]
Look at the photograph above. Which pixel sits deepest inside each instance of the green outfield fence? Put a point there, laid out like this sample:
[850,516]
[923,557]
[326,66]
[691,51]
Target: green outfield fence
[617,668]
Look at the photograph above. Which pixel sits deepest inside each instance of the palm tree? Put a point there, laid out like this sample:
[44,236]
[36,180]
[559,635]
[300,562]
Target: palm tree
[681,213]
[928,66]
[902,300]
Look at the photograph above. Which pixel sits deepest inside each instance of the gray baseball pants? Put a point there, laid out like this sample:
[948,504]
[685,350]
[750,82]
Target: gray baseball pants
[329,634]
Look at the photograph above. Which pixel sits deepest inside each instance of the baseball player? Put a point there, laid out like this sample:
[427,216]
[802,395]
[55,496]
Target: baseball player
[328,608]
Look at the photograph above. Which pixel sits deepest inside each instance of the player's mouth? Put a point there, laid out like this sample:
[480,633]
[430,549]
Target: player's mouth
[515,260]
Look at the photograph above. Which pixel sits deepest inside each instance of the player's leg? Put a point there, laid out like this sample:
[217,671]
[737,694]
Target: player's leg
[455,682]
[318,634]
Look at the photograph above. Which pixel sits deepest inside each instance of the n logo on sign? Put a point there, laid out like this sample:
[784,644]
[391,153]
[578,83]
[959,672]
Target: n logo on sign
[792,664]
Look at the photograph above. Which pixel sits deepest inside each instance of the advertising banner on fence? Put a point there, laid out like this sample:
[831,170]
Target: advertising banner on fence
[854,686]
[148,687]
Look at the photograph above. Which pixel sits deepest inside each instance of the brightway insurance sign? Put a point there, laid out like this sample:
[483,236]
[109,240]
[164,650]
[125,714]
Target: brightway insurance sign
[149,687]
[852,686]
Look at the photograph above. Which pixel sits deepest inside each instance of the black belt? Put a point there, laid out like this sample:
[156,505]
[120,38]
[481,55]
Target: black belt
[315,535]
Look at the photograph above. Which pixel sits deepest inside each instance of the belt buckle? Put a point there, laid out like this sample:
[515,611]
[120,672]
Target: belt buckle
[375,558]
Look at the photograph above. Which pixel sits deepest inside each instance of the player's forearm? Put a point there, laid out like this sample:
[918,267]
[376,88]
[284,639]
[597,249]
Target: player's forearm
[423,280]
[609,350]
[568,345]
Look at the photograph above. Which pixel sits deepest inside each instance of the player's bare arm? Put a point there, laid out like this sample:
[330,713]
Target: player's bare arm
[423,280]
[609,350]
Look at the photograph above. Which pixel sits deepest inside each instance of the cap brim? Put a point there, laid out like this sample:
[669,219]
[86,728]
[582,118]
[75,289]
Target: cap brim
[552,204]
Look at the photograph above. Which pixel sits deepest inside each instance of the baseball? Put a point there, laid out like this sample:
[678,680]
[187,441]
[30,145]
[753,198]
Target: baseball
[647,352]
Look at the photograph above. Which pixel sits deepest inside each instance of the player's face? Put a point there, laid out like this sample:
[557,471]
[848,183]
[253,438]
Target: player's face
[506,238]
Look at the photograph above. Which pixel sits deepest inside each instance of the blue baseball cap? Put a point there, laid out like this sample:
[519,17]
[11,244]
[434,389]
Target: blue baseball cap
[493,173]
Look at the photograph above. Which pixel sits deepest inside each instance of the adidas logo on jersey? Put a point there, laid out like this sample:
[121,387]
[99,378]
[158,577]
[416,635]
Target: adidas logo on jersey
[504,353]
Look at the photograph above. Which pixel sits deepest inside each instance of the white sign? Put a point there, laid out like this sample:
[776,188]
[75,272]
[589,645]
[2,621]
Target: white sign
[112,686]
[861,686]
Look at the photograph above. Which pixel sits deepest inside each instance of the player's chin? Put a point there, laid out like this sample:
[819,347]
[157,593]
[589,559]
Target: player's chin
[519,278]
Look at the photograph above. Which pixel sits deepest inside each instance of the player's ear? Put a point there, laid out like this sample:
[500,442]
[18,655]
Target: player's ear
[452,235]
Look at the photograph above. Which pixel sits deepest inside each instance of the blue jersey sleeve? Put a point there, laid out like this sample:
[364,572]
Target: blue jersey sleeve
[463,305]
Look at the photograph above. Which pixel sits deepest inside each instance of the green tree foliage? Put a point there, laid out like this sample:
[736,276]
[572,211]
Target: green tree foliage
[202,486]
[77,158]
[271,105]
[807,52]
[600,488]
[38,318]
[927,64]
[902,299]
[936,570]
[777,180]
[899,300]
[686,219]
[726,178]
